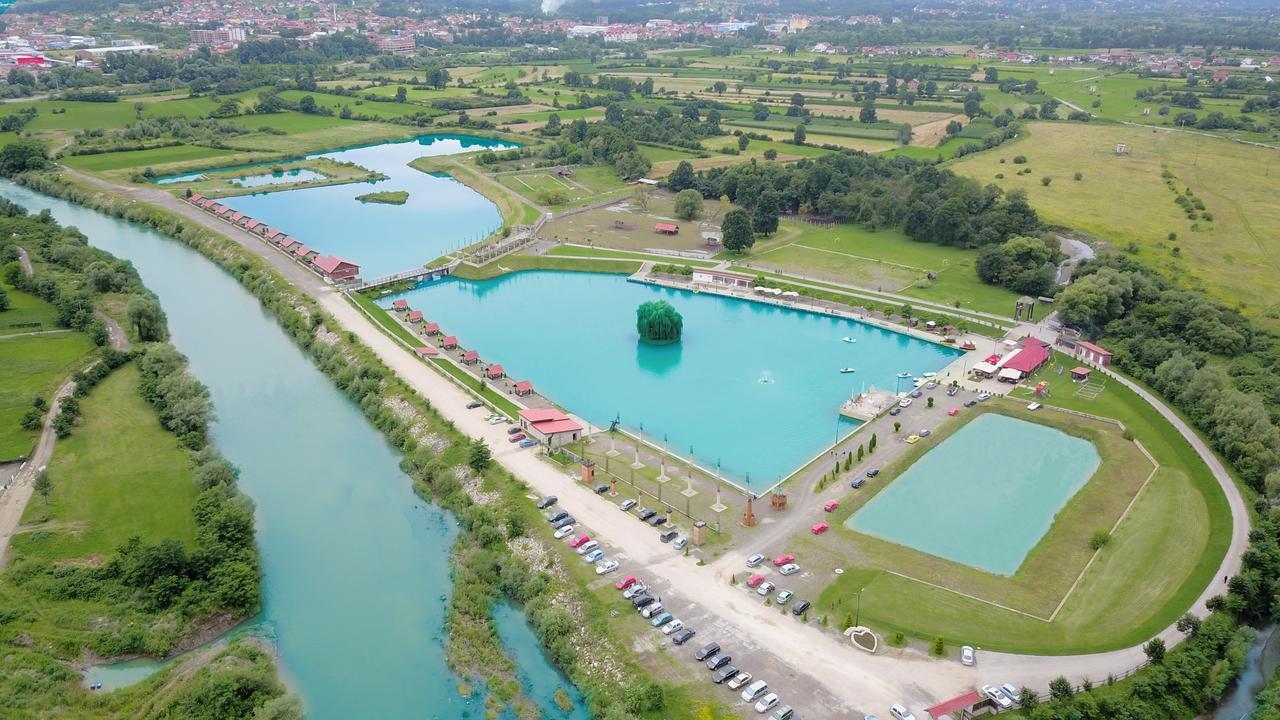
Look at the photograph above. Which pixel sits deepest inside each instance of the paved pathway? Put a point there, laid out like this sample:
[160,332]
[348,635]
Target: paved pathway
[14,498]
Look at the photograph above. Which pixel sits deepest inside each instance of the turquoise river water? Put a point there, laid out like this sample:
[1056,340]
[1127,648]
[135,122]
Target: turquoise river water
[441,214]
[752,386]
[984,496]
[356,565]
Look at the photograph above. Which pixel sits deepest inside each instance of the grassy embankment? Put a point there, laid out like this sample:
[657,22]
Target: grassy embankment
[389,197]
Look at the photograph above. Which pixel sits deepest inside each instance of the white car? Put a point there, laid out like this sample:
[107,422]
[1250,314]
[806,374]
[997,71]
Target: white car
[564,532]
[904,402]
[635,590]
[755,560]
[1034,406]
[1013,692]
[606,567]
[588,547]
[671,627]
[754,691]
[982,396]
[767,703]
[764,588]
[651,610]
[997,696]
[898,712]
[739,680]
[966,656]
[497,420]
[789,569]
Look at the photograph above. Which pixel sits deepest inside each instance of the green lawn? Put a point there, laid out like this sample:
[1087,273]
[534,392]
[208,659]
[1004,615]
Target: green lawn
[120,474]
[25,308]
[143,158]
[516,263]
[32,366]
[595,252]
[1161,557]
[586,184]
[658,153]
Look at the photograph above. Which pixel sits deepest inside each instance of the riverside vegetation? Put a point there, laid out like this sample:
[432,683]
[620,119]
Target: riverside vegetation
[78,588]
[502,549]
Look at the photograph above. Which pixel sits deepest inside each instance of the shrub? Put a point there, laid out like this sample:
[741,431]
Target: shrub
[1019,159]
[1046,180]
[1099,539]
[939,646]
[1078,176]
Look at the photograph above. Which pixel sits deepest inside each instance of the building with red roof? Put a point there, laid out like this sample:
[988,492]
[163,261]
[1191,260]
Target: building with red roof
[195,199]
[271,233]
[415,316]
[251,224]
[470,357]
[302,252]
[666,228]
[524,387]
[1024,360]
[449,343]
[495,371]
[964,703]
[236,216]
[400,305]
[1092,354]
[431,328]
[287,242]
[549,426]
[335,268]
[427,351]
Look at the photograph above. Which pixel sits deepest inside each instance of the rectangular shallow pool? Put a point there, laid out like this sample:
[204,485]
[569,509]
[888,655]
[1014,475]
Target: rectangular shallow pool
[984,496]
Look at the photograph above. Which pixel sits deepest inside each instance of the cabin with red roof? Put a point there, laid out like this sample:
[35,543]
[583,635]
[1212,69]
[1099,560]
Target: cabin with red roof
[470,357]
[251,224]
[495,371]
[400,305]
[426,351]
[195,199]
[449,343]
[1092,354]
[431,328]
[666,228]
[549,426]
[524,387]
[271,234]
[415,316]
[335,269]
[235,217]
[286,242]
[304,253]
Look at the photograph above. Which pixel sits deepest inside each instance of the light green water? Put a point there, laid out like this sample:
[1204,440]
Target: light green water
[984,496]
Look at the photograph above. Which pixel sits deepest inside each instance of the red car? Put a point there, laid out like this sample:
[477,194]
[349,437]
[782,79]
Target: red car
[580,540]
[755,580]
[783,560]
[820,528]
[831,506]
[625,582]
[515,438]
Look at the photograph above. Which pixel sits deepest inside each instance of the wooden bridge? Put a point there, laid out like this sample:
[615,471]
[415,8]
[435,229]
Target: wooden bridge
[424,273]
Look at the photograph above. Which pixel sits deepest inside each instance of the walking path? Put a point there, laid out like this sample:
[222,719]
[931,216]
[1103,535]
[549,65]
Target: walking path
[14,499]
[810,656]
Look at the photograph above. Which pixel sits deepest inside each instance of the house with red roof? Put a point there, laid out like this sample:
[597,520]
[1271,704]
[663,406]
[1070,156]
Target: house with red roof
[449,343]
[271,234]
[549,426]
[195,199]
[250,224]
[286,243]
[524,387]
[335,269]
[494,372]
[415,316]
[1028,357]
[1092,354]
[304,253]
[470,357]
[666,228]
[400,305]
[431,328]
[426,351]
[235,217]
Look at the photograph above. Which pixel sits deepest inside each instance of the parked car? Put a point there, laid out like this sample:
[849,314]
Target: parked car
[626,582]
[723,674]
[984,396]
[672,627]
[661,619]
[606,567]
[755,580]
[657,520]
[739,680]
[784,559]
[767,703]
[913,439]
[668,535]
[602,488]
[953,412]
[951,391]
[527,443]
[895,410]
[1034,406]
[800,608]
[646,513]
[970,403]
[831,506]
[819,528]
[904,402]
[931,385]
[557,515]
[754,691]
[706,651]
[765,588]
[755,560]
[1014,693]
[997,696]
[593,556]
[857,482]
[497,420]
[474,404]
[680,543]
[564,532]
[627,504]
[789,569]
[683,636]
[516,438]
[651,609]
[925,432]
[547,502]
[566,520]
[579,541]
[873,472]
[898,712]
[638,589]
[916,393]
[784,597]
[783,713]
[715,662]
[588,546]
[966,656]
[513,429]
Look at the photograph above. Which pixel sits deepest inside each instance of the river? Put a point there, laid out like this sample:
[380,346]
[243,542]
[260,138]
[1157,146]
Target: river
[356,565]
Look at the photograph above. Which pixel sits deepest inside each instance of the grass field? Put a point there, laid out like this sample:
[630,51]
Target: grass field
[585,185]
[1156,564]
[120,474]
[24,309]
[1123,199]
[33,366]
[595,252]
[516,263]
[155,157]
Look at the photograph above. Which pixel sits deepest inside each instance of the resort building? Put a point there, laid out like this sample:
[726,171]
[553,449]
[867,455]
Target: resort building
[1092,354]
[335,269]
[426,351]
[495,371]
[523,388]
[666,228]
[470,357]
[549,426]
[400,305]
[415,316]
[723,277]
[1023,360]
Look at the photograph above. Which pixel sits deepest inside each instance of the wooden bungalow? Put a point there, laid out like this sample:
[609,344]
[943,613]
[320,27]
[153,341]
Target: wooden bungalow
[494,372]
[524,387]
[1080,374]
[666,228]
[431,328]
[335,269]
[415,316]
[470,357]
[449,343]
[252,225]
[304,253]
[400,305]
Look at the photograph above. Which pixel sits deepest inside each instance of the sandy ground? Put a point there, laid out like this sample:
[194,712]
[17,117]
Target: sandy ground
[933,133]
[809,657]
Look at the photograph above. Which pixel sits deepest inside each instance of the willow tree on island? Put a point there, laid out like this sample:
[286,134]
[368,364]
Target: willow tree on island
[658,322]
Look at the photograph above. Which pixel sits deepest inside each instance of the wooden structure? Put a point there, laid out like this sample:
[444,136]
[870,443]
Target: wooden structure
[778,501]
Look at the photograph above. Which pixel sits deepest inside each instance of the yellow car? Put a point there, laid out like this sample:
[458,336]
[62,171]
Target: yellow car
[913,439]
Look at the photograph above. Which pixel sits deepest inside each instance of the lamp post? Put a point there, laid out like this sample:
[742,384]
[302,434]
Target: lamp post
[857,618]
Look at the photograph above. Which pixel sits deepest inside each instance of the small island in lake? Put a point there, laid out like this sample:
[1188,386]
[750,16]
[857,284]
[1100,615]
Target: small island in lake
[390,197]
[658,323]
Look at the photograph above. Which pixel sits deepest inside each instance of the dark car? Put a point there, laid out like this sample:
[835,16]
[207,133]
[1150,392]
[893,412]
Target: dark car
[799,608]
[970,403]
[668,536]
[513,429]
[895,410]
[474,404]
[602,488]
[857,483]
[557,516]
[566,520]
[723,674]
[646,513]
[715,662]
[641,600]
[873,472]
[706,651]
[683,636]
[657,520]
[547,502]
[951,391]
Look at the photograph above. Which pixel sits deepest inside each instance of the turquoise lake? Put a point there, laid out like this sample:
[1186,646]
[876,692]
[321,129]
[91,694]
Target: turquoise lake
[441,214]
[356,565]
[985,496]
[752,386]
[283,177]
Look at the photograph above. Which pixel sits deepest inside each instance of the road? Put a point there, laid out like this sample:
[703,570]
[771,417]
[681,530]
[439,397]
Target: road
[14,498]
[822,664]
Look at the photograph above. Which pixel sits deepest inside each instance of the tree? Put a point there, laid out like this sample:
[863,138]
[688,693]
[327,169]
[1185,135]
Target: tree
[972,105]
[735,231]
[688,204]
[438,77]
[1028,698]
[867,114]
[43,485]
[402,95]
[799,136]
[1188,624]
[308,105]
[1154,650]
[22,155]
[764,220]
[871,446]
[860,453]
[145,316]
[552,128]
[479,456]
[1060,688]
[4,300]
[682,177]
[719,87]
[743,141]
[759,111]
[658,322]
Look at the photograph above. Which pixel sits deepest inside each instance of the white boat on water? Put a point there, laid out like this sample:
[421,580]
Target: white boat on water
[847,370]
[930,374]
[904,374]
[849,339]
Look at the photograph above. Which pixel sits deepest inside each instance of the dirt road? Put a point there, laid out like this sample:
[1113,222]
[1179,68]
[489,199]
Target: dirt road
[14,499]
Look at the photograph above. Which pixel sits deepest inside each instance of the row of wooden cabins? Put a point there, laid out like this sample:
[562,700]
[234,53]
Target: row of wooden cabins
[450,342]
[329,267]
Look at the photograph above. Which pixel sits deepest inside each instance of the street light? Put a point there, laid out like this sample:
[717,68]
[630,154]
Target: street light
[857,619]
